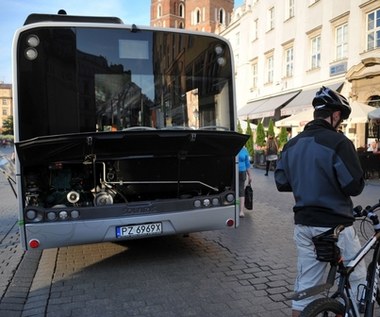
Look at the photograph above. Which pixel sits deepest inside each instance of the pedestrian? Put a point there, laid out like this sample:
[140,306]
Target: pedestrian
[322,169]
[271,153]
[244,165]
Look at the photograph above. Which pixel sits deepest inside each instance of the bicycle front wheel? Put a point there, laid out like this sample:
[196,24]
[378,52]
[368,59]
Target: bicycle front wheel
[324,307]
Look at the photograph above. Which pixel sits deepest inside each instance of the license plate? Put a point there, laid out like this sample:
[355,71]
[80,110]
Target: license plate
[139,230]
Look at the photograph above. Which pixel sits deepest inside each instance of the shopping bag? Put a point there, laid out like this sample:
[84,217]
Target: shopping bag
[248,195]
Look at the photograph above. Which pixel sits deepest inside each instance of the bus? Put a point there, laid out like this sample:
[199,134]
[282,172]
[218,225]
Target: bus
[121,132]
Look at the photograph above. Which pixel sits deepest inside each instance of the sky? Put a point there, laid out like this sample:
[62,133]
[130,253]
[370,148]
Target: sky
[14,12]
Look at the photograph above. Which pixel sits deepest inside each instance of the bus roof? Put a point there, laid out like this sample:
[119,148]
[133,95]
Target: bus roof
[63,17]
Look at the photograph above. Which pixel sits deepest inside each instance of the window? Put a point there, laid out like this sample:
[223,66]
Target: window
[316,52]
[5,112]
[289,62]
[159,11]
[197,16]
[271,19]
[181,10]
[373,30]
[341,40]
[289,13]
[255,29]
[254,75]
[237,38]
[5,102]
[222,16]
[269,69]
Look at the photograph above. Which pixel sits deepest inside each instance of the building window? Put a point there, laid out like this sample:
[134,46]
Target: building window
[254,76]
[316,52]
[269,70]
[289,9]
[159,11]
[197,16]
[255,29]
[181,10]
[5,111]
[373,30]
[271,19]
[5,102]
[289,62]
[222,16]
[341,39]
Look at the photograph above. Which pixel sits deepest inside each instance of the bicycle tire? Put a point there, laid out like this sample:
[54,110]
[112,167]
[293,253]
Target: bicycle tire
[323,307]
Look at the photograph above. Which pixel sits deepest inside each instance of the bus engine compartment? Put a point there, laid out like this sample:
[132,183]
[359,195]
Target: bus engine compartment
[174,171]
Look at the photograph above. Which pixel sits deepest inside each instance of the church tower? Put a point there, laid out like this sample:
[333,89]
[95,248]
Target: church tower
[197,15]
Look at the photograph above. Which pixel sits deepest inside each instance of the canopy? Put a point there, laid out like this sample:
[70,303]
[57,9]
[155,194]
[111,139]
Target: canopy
[297,120]
[265,107]
[374,114]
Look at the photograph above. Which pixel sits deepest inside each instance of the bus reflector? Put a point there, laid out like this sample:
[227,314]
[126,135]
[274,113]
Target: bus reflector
[34,243]
[230,222]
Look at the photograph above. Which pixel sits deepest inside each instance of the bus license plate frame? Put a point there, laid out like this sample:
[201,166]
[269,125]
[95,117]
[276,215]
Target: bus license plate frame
[138,230]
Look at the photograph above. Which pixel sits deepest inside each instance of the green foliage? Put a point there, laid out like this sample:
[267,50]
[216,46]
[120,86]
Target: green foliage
[283,137]
[249,143]
[271,127]
[239,128]
[8,126]
[260,135]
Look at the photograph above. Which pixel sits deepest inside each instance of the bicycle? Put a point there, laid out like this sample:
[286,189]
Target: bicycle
[342,301]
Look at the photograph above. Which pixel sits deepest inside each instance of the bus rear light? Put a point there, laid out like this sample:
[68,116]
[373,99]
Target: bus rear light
[206,202]
[215,202]
[33,215]
[34,243]
[31,53]
[197,203]
[230,222]
[51,215]
[63,215]
[33,40]
[74,214]
[230,198]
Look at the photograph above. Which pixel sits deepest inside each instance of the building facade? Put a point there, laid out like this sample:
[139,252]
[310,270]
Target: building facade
[201,15]
[285,50]
[6,103]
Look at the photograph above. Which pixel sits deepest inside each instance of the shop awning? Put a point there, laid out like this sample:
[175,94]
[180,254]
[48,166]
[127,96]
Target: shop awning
[265,107]
[304,100]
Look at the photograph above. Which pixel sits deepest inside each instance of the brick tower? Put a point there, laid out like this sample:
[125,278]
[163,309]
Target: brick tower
[197,15]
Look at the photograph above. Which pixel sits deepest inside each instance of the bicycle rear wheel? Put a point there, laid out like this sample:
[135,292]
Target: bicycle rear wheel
[324,307]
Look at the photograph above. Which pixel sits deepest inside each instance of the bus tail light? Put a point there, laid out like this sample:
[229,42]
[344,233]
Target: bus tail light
[230,222]
[34,243]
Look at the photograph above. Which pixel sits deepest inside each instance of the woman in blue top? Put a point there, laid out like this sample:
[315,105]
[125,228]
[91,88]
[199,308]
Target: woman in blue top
[244,166]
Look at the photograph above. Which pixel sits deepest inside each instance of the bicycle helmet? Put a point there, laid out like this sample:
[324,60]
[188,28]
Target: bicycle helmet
[328,99]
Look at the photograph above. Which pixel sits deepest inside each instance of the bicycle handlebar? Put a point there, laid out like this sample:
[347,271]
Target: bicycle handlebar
[370,212]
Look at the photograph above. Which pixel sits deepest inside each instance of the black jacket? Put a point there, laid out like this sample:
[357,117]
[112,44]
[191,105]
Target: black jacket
[322,169]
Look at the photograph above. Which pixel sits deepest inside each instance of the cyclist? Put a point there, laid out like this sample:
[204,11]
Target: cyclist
[320,166]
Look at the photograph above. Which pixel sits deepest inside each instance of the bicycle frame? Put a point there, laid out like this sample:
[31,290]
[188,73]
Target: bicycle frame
[344,290]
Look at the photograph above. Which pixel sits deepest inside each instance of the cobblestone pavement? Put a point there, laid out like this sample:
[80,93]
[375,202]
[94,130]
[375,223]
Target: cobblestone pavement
[248,271]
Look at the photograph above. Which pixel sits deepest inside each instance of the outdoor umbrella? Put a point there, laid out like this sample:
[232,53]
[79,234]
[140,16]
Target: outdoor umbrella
[359,112]
[375,114]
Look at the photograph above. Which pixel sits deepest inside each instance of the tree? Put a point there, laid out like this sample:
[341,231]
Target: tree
[249,143]
[271,127]
[283,137]
[260,135]
[8,126]
[239,128]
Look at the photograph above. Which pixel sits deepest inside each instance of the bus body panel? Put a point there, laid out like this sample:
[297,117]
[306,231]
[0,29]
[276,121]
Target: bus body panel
[51,235]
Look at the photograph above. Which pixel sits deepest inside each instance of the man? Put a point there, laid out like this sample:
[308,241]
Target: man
[320,166]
